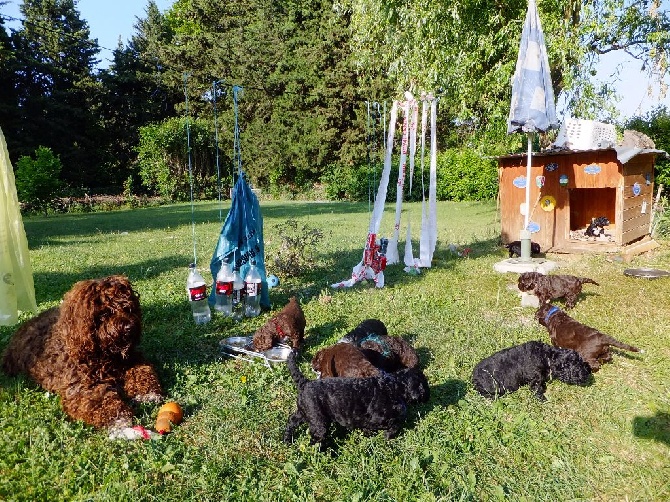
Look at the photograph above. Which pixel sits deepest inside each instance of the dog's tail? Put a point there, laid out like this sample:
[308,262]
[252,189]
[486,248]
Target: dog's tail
[616,343]
[586,280]
[294,370]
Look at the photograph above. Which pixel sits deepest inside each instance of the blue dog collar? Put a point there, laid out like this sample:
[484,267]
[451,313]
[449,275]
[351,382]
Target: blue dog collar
[374,337]
[550,313]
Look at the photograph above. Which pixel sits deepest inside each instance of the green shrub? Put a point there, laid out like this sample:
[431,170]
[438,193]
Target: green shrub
[164,161]
[298,249]
[463,174]
[37,180]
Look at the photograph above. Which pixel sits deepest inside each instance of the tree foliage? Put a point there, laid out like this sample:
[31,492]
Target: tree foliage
[468,49]
[306,70]
[37,179]
[56,91]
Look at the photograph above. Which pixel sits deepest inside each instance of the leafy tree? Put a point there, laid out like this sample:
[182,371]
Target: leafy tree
[656,125]
[9,101]
[57,93]
[37,180]
[134,94]
[301,106]
[468,49]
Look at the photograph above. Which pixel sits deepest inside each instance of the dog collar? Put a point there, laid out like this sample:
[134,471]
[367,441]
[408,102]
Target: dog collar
[550,313]
[374,337]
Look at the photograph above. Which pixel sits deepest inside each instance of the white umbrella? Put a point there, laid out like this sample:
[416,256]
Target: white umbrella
[532,108]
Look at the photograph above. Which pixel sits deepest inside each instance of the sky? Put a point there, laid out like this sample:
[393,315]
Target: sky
[109,20]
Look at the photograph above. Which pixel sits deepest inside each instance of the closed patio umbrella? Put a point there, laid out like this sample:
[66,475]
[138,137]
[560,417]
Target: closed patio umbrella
[532,108]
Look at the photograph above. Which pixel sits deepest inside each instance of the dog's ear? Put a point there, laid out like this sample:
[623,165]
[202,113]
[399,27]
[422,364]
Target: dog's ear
[78,314]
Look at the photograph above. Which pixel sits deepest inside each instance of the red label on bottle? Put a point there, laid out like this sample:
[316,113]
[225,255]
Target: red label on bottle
[198,293]
[224,288]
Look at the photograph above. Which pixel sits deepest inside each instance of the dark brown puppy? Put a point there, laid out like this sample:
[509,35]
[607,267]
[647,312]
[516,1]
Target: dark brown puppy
[551,287]
[389,353]
[86,352]
[288,325]
[343,360]
[565,332]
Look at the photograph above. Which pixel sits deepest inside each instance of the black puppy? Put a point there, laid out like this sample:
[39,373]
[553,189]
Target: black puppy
[371,404]
[533,364]
[514,248]
[597,226]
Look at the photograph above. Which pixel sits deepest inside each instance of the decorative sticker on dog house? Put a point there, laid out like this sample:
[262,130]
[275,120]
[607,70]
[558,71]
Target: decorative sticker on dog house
[592,169]
[519,182]
[548,203]
[551,167]
[533,227]
[647,178]
[637,189]
[563,180]
[539,181]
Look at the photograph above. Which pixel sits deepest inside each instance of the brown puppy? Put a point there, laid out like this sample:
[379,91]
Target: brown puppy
[551,287]
[388,353]
[343,360]
[287,325]
[565,332]
[86,352]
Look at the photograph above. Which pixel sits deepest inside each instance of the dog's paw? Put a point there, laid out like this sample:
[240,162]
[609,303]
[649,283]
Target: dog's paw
[151,397]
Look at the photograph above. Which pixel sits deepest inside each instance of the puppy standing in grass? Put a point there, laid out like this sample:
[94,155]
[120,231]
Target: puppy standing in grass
[551,287]
[533,364]
[593,345]
[369,404]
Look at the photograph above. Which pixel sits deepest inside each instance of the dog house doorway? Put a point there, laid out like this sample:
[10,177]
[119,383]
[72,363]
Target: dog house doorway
[589,203]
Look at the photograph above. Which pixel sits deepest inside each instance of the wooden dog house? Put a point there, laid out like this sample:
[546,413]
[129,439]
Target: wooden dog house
[568,189]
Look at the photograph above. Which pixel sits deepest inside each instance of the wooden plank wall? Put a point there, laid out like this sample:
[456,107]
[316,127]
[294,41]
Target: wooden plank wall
[637,210]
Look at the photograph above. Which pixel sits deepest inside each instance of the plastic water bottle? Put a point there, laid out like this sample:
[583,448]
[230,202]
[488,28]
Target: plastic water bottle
[252,298]
[223,290]
[197,295]
[238,296]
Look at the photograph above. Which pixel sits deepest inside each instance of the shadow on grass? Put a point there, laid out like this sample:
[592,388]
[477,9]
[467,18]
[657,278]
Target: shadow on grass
[51,230]
[656,427]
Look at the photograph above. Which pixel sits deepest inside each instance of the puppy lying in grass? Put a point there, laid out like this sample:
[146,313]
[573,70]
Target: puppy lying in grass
[370,404]
[533,364]
[514,249]
[593,345]
[551,287]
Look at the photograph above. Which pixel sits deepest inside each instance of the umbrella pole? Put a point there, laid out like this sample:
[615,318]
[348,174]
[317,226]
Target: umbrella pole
[525,234]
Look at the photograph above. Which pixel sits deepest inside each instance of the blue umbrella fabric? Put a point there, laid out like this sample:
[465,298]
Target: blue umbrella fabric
[533,108]
[241,239]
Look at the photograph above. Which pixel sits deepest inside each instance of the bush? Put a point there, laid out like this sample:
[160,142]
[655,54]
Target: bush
[298,249]
[465,175]
[461,175]
[164,161]
[37,180]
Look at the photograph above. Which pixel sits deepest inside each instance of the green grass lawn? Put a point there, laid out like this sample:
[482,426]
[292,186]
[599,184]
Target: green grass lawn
[607,441]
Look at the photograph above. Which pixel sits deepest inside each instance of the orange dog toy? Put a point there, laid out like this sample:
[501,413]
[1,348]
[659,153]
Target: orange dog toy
[168,415]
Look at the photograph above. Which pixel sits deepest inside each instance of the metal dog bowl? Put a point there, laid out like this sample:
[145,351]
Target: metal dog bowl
[277,354]
[646,273]
[237,342]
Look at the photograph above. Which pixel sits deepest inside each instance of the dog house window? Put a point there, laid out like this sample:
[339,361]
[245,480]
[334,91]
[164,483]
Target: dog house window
[589,203]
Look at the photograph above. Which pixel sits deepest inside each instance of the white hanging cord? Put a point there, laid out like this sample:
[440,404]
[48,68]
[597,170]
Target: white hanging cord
[190,167]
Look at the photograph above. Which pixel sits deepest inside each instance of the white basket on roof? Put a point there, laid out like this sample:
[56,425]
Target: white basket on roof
[580,134]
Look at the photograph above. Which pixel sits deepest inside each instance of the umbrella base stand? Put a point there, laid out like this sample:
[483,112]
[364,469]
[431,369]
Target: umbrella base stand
[517,265]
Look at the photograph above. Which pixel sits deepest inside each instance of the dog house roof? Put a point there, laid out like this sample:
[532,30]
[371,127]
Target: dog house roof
[623,153]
